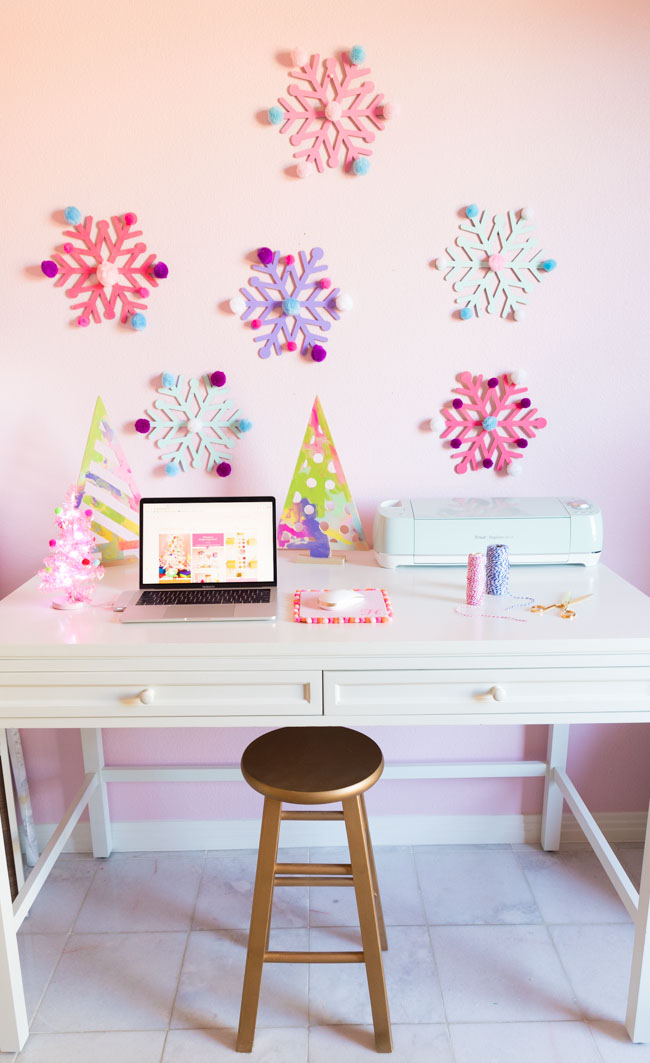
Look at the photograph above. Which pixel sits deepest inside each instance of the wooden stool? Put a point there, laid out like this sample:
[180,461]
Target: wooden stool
[315,766]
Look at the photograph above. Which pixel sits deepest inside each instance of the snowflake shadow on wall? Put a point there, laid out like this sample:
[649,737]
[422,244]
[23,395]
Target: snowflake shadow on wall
[494,264]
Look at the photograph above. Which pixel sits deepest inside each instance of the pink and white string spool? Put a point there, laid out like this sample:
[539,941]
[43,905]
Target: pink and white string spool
[475,579]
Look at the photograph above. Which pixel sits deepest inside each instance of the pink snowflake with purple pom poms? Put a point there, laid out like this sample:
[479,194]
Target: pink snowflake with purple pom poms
[334,113]
[493,420]
[104,270]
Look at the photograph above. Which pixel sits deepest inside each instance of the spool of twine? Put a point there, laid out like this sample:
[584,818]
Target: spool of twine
[475,579]
[497,569]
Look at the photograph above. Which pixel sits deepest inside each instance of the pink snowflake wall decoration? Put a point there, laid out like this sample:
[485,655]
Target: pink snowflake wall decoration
[493,421]
[334,114]
[104,270]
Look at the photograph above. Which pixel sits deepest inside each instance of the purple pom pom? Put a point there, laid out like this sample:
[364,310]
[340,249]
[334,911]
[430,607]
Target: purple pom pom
[160,270]
[487,463]
[318,353]
[217,379]
[524,403]
[457,404]
[493,381]
[265,255]
[224,469]
[455,443]
[142,425]
[522,443]
[49,268]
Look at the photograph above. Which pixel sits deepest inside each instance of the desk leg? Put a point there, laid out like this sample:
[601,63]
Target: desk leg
[100,822]
[556,755]
[637,1019]
[13,1013]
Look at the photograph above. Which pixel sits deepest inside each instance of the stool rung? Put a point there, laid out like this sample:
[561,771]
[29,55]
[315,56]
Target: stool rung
[311,815]
[307,880]
[313,869]
[314,957]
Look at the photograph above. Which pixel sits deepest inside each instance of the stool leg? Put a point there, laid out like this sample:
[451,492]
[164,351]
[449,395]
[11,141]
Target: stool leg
[363,888]
[373,875]
[260,923]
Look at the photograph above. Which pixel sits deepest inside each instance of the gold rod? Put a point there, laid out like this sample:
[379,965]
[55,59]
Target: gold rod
[314,957]
[306,880]
[312,815]
[313,869]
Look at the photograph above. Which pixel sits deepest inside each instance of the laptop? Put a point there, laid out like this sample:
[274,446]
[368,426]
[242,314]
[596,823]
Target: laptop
[206,559]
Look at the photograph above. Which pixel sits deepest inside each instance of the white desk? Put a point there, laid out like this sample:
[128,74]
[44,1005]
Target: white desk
[429,666]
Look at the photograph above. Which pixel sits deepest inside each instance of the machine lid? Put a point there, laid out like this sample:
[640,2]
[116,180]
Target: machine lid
[480,508]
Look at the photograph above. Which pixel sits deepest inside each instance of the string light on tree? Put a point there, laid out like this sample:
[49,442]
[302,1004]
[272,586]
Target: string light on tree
[72,565]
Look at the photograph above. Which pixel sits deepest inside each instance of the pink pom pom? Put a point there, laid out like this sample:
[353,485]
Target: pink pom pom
[52,542]
[291,346]
[143,292]
[496,262]
[83,321]
[130,218]
[333,111]
[391,110]
[256,323]
[326,283]
[88,512]
[305,169]
[68,248]
[289,259]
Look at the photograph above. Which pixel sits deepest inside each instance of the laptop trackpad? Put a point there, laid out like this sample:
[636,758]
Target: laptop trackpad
[199,612]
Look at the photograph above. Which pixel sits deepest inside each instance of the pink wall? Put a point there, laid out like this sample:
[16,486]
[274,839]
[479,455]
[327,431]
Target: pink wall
[154,107]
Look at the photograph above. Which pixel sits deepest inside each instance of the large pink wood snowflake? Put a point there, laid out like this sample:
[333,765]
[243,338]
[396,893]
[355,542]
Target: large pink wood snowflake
[105,270]
[335,114]
[493,420]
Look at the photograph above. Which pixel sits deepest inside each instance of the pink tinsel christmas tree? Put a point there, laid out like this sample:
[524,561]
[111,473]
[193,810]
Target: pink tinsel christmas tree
[72,565]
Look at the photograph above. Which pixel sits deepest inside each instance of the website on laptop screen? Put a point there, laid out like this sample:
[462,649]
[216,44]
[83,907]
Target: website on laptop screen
[186,541]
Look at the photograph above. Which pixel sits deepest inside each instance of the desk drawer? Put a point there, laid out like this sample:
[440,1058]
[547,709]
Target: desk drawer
[160,694]
[502,692]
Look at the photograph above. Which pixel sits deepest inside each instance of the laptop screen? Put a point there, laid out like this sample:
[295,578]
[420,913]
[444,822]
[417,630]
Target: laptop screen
[197,542]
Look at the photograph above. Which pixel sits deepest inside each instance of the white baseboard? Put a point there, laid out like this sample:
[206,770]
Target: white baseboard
[170,836]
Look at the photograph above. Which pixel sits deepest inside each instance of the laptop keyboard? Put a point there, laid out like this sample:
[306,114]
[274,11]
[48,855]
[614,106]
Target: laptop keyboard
[220,596]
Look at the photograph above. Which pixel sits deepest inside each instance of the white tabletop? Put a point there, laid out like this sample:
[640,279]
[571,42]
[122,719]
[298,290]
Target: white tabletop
[615,620]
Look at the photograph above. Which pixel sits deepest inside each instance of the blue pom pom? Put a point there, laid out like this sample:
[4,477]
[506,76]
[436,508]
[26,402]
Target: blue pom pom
[466,313]
[72,215]
[168,380]
[361,166]
[138,322]
[472,210]
[244,425]
[290,306]
[549,265]
[276,115]
[172,469]
[489,423]
[357,54]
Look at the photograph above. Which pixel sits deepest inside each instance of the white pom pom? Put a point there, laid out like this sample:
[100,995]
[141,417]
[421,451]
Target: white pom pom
[514,468]
[237,304]
[333,111]
[520,315]
[442,263]
[344,301]
[194,425]
[518,376]
[305,169]
[299,57]
[391,110]
[528,213]
[437,423]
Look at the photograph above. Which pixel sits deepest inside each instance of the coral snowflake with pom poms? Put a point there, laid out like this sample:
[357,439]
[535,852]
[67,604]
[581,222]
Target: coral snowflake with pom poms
[493,420]
[335,113]
[289,302]
[104,270]
[72,565]
[194,423]
[494,265]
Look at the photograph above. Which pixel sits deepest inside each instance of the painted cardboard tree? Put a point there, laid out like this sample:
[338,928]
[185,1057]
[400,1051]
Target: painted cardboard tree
[110,490]
[319,514]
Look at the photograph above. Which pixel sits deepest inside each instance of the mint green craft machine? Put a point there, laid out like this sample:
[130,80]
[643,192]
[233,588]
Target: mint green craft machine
[443,531]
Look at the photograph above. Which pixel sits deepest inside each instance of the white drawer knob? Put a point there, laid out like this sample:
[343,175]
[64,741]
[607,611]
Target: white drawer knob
[498,693]
[146,696]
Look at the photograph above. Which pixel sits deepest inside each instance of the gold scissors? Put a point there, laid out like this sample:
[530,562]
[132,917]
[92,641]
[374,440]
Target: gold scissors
[567,600]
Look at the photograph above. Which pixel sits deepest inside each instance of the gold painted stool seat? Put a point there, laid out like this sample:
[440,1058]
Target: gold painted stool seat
[315,766]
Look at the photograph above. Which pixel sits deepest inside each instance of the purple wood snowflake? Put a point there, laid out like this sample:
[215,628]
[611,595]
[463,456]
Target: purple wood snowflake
[334,114]
[289,302]
[493,420]
[104,270]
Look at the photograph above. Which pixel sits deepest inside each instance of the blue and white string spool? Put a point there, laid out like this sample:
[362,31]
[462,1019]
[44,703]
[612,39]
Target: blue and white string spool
[497,569]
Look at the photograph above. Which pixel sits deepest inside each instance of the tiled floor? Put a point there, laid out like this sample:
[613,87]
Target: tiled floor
[496,954]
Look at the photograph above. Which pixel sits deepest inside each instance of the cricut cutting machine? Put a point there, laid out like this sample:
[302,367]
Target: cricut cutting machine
[443,531]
